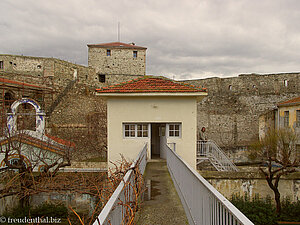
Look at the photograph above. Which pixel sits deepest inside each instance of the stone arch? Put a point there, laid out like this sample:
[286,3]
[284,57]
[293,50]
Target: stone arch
[39,115]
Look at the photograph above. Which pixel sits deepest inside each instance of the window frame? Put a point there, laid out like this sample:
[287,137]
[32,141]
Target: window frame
[286,119]
[174,130]
[134,127]
[108,52]
[297,118]
[135,54]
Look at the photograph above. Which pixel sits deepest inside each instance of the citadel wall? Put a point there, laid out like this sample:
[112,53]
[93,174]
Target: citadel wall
[230,112]
[77,115]
[232,108]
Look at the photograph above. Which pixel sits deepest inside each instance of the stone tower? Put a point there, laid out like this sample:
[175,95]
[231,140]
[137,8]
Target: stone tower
[117,58]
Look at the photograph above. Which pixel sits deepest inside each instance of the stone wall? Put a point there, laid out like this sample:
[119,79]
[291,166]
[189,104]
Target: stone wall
[232,108]
[252,183]
[230,112]
[81,117]
[58,73]
[121,61]
[47,71]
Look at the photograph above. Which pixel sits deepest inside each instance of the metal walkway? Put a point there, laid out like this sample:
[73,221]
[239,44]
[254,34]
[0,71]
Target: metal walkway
[179,195]
[161,202]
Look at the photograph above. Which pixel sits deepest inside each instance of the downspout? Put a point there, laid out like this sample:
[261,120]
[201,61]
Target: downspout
[278,118]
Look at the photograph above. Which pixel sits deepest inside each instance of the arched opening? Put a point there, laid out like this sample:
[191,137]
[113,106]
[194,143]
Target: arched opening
[29,116]
[26,117]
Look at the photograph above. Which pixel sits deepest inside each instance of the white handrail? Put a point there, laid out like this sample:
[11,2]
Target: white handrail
[203,204]
[211,150]
[113,213]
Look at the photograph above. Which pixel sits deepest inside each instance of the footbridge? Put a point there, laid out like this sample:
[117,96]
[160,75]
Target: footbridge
[198,201]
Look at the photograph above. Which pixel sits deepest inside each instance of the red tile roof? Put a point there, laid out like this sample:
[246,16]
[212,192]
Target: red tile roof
[61,141]
[42,144]
[116,45]
[292,101]
[151,84]
[12,82]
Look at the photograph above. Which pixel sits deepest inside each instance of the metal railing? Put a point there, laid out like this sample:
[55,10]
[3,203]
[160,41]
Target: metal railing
[215,155]
[203,204]
[113,212]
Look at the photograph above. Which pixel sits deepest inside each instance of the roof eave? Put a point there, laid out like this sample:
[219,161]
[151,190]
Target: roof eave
[167,94]
[111,47]
[288,104]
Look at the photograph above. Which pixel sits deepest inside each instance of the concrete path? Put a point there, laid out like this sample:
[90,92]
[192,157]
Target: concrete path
[161,202]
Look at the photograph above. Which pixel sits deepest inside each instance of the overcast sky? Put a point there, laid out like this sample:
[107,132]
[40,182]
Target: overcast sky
[185,39]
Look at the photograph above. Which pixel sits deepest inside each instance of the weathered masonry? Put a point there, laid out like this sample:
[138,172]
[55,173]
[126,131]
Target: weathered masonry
[233,106]
[116,58]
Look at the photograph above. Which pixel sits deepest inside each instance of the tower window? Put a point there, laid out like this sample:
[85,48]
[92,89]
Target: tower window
[1,65]
[108,52]
[101,78]
[285,82]
[135,53]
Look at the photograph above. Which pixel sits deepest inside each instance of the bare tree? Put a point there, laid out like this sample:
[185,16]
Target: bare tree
[27,161]
[277,152]
[109,184]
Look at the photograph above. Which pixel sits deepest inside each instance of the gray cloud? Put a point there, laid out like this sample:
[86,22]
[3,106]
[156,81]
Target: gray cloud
[185,39]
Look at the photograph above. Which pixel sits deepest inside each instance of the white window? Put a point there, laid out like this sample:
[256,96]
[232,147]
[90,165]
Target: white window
[135,130]
[142,130]
[174,130]
[129,130]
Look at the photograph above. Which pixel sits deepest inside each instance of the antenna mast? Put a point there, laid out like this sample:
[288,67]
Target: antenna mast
[119,32]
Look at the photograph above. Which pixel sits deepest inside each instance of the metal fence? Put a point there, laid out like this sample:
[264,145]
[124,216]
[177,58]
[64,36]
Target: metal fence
[115,210]
[203,204]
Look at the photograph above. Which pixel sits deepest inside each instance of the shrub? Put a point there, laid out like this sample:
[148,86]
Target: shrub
[263,212]
[290,211]
[260,212]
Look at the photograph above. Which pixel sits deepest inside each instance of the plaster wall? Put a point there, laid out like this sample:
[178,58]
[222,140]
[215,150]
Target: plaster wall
[252,183]
[151,110]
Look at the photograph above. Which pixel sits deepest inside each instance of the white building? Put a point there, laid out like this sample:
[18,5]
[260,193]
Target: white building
[152,110]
